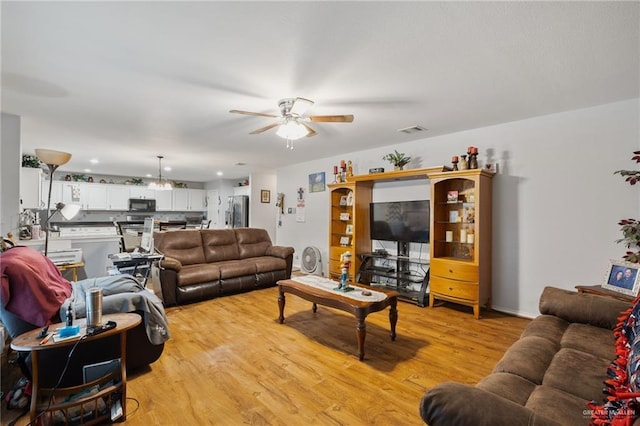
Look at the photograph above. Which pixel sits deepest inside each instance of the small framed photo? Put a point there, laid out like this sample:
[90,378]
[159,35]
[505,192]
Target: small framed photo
[345,216]
[622,277]
[343,200]
[265,196]
[344,241]
[452,196]
[453,216]
[349,229]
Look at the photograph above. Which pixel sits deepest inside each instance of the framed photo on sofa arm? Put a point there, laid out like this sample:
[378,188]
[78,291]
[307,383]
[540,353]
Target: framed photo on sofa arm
[623,277]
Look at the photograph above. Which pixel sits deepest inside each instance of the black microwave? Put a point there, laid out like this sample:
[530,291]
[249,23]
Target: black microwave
[142,205]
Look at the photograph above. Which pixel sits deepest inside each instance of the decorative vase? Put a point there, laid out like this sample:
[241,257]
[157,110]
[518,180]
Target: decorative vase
[464,165]
[398,167]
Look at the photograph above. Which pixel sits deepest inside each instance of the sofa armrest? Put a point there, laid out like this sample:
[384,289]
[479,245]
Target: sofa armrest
[458,404]
[592,309]
[279,251]
[170,263]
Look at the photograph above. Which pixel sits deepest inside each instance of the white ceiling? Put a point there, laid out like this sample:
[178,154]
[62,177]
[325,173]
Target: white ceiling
[125,81]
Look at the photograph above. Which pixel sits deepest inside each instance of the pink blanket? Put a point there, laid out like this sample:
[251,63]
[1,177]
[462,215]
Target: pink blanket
[32,287]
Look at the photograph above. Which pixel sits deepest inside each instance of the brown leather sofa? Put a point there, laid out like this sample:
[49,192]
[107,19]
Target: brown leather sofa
[547,377]
[206,263]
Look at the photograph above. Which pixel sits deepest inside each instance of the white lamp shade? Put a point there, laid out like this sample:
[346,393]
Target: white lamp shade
[69,211]
[51,157]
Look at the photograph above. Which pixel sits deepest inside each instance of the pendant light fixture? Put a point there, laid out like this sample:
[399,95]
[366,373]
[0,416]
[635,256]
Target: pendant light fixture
[160,184]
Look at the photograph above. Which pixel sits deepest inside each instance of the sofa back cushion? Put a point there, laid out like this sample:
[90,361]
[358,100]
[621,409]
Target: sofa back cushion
[220,245]
[252,242]
[184,245]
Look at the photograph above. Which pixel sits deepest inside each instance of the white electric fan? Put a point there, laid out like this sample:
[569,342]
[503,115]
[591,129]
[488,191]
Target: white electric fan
[311,263]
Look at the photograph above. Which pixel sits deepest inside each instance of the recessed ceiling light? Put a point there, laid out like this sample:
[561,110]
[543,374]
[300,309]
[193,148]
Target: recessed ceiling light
[148,175]
[167,169]
[413,129]
[219,173]
[87,170]
[94,161]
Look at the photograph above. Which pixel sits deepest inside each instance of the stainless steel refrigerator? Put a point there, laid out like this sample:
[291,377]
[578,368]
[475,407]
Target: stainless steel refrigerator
[237,214]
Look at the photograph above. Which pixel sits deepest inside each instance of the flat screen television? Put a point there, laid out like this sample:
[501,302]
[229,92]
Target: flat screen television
[402,221]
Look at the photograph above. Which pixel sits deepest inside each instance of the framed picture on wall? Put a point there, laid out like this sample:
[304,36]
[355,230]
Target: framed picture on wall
[622,277]
[265,196]
[317,182]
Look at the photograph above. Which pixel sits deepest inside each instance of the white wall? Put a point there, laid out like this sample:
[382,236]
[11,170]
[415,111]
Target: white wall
[263,215]
[10,162]
[556,200]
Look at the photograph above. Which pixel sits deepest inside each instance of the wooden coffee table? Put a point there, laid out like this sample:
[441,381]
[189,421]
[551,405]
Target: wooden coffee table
[360,309]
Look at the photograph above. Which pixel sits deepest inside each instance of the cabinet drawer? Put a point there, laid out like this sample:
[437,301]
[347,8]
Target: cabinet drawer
[452,288]
[454,270]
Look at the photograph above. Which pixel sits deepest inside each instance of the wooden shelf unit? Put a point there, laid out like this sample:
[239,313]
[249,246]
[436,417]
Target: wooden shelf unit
[360,239]
[461,265]
[358,221]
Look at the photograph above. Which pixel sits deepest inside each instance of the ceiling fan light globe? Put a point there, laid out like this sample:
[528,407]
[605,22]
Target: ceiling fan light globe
[292,130]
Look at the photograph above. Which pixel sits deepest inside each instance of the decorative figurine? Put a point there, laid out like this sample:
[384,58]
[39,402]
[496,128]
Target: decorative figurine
[454,161]
[345,263]
[349,168]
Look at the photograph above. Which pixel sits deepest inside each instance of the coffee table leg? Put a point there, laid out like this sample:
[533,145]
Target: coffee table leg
[393,317]
[361,331]
[281,301]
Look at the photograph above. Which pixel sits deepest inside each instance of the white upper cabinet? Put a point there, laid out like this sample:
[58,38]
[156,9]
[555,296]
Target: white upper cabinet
[117,197]
[164,200]
[189,199]
[30,188]
[142,192]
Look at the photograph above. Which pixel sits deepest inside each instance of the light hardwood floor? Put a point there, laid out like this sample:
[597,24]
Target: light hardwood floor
[229,362]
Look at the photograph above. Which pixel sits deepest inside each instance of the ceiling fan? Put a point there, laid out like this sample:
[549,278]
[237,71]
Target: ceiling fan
[292,121]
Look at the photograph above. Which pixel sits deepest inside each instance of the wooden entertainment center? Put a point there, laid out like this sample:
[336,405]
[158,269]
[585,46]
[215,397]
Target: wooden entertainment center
[460,234]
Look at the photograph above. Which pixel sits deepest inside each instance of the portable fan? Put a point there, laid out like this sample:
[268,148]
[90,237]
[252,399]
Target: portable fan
[311,263]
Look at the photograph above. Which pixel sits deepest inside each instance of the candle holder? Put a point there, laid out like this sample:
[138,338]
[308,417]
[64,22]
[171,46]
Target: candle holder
[454,161]
[473,161]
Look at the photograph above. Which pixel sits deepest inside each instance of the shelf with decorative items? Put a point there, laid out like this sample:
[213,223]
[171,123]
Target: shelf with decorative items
[460,242]
[348,225]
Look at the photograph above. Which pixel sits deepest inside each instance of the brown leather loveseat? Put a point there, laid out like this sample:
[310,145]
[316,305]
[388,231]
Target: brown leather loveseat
[207,263]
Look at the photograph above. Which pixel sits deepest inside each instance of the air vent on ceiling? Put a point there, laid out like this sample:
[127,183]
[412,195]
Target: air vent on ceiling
[413,129]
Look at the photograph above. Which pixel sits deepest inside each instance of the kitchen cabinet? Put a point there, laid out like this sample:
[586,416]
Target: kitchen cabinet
[30,188]
[188,199]
[142,192]
[89,196]
[117,197]
[164,201]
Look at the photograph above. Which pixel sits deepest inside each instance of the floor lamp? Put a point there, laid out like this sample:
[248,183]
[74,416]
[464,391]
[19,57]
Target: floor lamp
[53,160]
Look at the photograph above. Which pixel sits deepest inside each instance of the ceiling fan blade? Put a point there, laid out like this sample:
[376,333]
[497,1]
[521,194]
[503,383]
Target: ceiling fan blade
[331,118]
[264,129]
[311,131]
[261,114]
[300,106]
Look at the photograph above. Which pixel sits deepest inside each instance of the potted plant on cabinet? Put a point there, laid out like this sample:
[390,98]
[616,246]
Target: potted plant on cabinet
[631,227]
[398,159]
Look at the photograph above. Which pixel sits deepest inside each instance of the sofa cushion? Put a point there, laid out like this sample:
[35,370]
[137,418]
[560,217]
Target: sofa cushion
[528,358]
[195,274]
[252,242]
[587,338]
[219,245]
[236,268]
[555,404]
[549,327]
[267,263]
[509,386]
[184,245]
[577,373]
